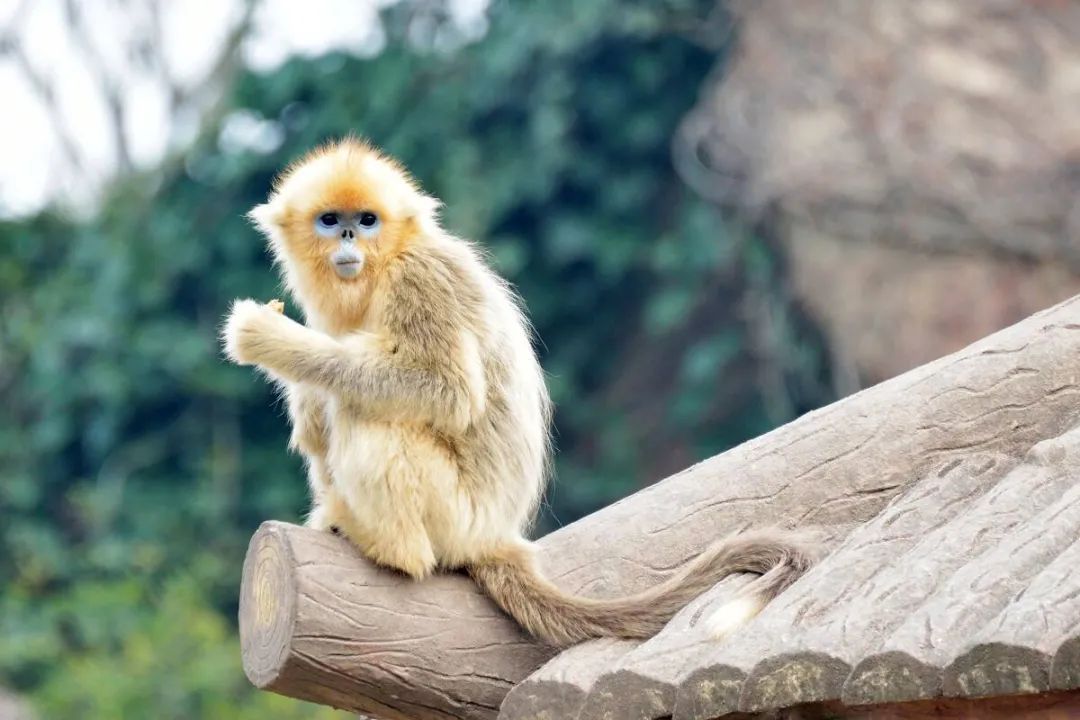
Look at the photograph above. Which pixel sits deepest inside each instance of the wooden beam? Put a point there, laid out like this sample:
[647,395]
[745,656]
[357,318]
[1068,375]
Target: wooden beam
[682,673]
[320,623]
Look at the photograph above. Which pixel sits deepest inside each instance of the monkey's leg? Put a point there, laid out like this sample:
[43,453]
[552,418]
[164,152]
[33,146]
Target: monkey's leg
[399,541]
[307,413]
[385,492]
[328,509]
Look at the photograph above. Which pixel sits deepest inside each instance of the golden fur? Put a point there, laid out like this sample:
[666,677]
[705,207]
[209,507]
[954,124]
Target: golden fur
[421,410]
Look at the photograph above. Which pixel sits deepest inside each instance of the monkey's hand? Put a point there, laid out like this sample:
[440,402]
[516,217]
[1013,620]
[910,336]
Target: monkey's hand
[251,330]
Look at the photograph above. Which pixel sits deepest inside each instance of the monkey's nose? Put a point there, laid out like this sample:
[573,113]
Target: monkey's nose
[347,234]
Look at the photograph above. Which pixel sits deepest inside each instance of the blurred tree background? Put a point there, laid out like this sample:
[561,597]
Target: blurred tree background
[137,464]
[720,215]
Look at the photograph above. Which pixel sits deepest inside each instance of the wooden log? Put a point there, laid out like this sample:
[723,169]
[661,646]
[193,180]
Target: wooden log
[802,647]
[319,623]
[1028,520]
[640,686]
[559,688]
[1065,668]
[1021,568]
[644,682]
[1014,654]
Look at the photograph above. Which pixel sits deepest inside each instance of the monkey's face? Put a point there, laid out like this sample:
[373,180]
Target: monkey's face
[351,231]
[335,220]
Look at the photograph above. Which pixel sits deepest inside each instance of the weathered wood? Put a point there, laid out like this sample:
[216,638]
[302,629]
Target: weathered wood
[1065,669]
[322,623]
[319,623]
[1026,522]
[802,647]
[641,685]
[558,689]
[1014,653]
[631,679]
[888,568]
[644,683]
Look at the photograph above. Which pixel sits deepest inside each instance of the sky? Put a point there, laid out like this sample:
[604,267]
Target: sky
[140,68]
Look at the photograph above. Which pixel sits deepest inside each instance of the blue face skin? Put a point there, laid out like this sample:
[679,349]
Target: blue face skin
[351,230]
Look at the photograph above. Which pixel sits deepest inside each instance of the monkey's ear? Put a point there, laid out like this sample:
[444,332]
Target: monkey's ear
[266,216]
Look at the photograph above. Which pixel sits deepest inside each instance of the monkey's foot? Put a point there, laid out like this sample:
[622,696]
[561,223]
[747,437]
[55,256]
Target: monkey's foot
[328,512]
[415,558]
[319,519]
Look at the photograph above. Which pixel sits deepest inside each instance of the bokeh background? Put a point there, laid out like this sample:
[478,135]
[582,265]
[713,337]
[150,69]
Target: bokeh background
[721,214]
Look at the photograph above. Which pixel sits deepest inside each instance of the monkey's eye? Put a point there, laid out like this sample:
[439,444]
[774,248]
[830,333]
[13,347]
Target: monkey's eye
[328,220]
[369,219]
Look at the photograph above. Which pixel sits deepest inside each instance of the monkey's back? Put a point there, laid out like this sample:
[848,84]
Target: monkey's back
[503,455]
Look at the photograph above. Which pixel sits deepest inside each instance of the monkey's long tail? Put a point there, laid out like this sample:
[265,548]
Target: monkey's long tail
[513,581]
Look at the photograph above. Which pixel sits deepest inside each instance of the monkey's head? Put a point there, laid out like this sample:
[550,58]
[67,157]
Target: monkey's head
[333,219]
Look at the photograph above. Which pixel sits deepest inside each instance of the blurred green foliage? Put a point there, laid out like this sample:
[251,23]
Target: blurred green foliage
[136,464]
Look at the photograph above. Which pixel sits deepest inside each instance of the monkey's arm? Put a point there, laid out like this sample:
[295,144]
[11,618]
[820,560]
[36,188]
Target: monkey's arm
[384,378]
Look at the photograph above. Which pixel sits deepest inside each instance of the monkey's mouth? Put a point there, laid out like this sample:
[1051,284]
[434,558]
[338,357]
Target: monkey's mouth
[347,265]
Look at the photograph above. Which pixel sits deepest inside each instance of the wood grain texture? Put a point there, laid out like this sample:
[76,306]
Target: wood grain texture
[802,647]
[644,683]
[1020,527]
[1014,653]
[320,623]
[559,688]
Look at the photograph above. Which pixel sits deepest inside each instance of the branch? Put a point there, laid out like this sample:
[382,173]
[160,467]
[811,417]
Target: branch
[44,89]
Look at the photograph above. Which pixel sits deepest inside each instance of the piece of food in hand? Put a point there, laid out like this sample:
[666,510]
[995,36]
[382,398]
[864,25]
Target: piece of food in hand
[276,305]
